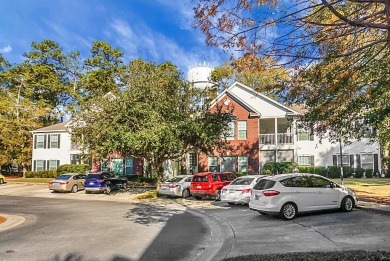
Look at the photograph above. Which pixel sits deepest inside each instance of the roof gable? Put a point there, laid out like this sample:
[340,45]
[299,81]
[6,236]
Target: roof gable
[59,127]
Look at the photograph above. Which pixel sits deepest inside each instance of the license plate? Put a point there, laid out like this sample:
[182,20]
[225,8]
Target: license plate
[90,183]
[163,188]
[199,187]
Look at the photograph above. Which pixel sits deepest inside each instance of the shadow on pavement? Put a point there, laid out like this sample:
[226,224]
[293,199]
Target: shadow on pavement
[75,257]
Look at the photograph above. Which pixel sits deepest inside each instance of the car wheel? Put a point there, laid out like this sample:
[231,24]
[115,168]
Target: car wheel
[231,203]
[185,193]
[217,195]
[347,204]
[74,189]
[197,197]
[288,211]
[108,190]
[124,185]
[1,181]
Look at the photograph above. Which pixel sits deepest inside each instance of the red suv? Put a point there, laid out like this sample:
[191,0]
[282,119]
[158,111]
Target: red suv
[209,184]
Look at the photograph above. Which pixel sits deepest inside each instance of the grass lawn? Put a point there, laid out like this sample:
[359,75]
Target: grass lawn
[29,180]
[372,189]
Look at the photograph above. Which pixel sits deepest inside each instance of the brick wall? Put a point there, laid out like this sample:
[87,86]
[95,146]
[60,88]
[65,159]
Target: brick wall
[248,147]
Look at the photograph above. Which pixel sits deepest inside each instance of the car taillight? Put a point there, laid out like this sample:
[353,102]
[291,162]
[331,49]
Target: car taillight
[173,186]
[64,182]
[271,193]
[50,182]
[248,190]
[101,180]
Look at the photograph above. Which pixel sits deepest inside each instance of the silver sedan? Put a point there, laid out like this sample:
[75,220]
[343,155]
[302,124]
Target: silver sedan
[176,186]
[239,191]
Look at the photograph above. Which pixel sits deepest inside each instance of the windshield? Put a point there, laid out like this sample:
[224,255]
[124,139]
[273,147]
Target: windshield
[63,177]
[175,179]
[242,181]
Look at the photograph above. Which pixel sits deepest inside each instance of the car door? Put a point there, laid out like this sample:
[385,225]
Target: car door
[303,193]
[325,196]
[80,181]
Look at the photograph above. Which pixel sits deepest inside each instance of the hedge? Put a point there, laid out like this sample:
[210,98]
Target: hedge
[73,168]
[41,174]
[273,168]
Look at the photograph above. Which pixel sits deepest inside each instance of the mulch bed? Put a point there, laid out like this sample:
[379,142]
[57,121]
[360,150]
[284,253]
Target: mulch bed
[2,219]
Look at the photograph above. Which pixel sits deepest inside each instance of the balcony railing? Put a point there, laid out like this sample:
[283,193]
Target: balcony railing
[282,138]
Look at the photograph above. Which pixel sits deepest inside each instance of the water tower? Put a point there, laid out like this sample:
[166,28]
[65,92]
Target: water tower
[199,75]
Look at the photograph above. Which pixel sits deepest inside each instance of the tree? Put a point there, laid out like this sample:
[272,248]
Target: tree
[156,116]
[338,52]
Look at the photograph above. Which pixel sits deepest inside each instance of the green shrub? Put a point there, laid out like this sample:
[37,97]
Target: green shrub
[278,167]
[41,174]
[333,172]
[359,172]
[369,173]
[140,179]
[386,166]
[73,168]
[240,174]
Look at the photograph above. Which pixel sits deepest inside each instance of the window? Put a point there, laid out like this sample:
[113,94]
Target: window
[243,164]
[75,159]
[104,165]
[318,182]
[303,134]
[193,161]
[213,164]
[228,164]
[53,164]
[301,182]
[367,161]
[242,130]
[230,135]
[40,141]
[117,166]
[345,160]
[54,141]
[215,177]
[129,166]
[39,165]
[306,160]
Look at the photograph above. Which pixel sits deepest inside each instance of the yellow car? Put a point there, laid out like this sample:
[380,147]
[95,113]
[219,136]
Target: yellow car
[2,179]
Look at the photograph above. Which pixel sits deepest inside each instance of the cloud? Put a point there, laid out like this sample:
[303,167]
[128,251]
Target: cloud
[6,49]
[184,15]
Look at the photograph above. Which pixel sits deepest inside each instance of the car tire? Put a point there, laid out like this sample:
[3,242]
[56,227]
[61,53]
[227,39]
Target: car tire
[197,197]
[108,190]
[75,188]
[217,195]
[186,193]
[124,185]
[1,181]
[347,204]
[288,211]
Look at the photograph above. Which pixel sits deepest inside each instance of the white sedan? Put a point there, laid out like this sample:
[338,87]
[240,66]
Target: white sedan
[239,191]
[177,186]
[290,194]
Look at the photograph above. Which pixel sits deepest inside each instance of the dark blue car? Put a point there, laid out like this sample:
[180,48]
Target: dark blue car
[103,181]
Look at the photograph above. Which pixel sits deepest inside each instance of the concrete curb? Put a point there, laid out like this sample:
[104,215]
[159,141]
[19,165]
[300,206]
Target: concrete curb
[12,221]
[377,208]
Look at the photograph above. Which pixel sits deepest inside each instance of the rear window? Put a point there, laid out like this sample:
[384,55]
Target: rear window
[175,179]
[63,177]
[264,184]
[200,179]
[93,176]
[242,181]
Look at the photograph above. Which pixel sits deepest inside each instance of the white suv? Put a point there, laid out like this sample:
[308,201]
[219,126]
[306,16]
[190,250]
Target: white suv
[288,194]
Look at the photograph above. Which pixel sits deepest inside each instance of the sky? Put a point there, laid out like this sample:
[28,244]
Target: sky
[153,30]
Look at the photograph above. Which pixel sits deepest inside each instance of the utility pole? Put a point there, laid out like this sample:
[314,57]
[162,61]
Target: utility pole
[341,162]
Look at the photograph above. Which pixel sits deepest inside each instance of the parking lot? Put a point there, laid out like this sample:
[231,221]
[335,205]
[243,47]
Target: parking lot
[218,230]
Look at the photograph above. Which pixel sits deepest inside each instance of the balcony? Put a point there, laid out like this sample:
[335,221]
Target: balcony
[282,138]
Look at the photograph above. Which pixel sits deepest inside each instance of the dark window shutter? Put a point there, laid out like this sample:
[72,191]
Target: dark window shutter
[351,161]
[334,160]
[44,141]
[311,160]
[48,141]
[59,141]
[35,165]
[376,161]
[58,163]
[35,141]
[358,163]
[311,134]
